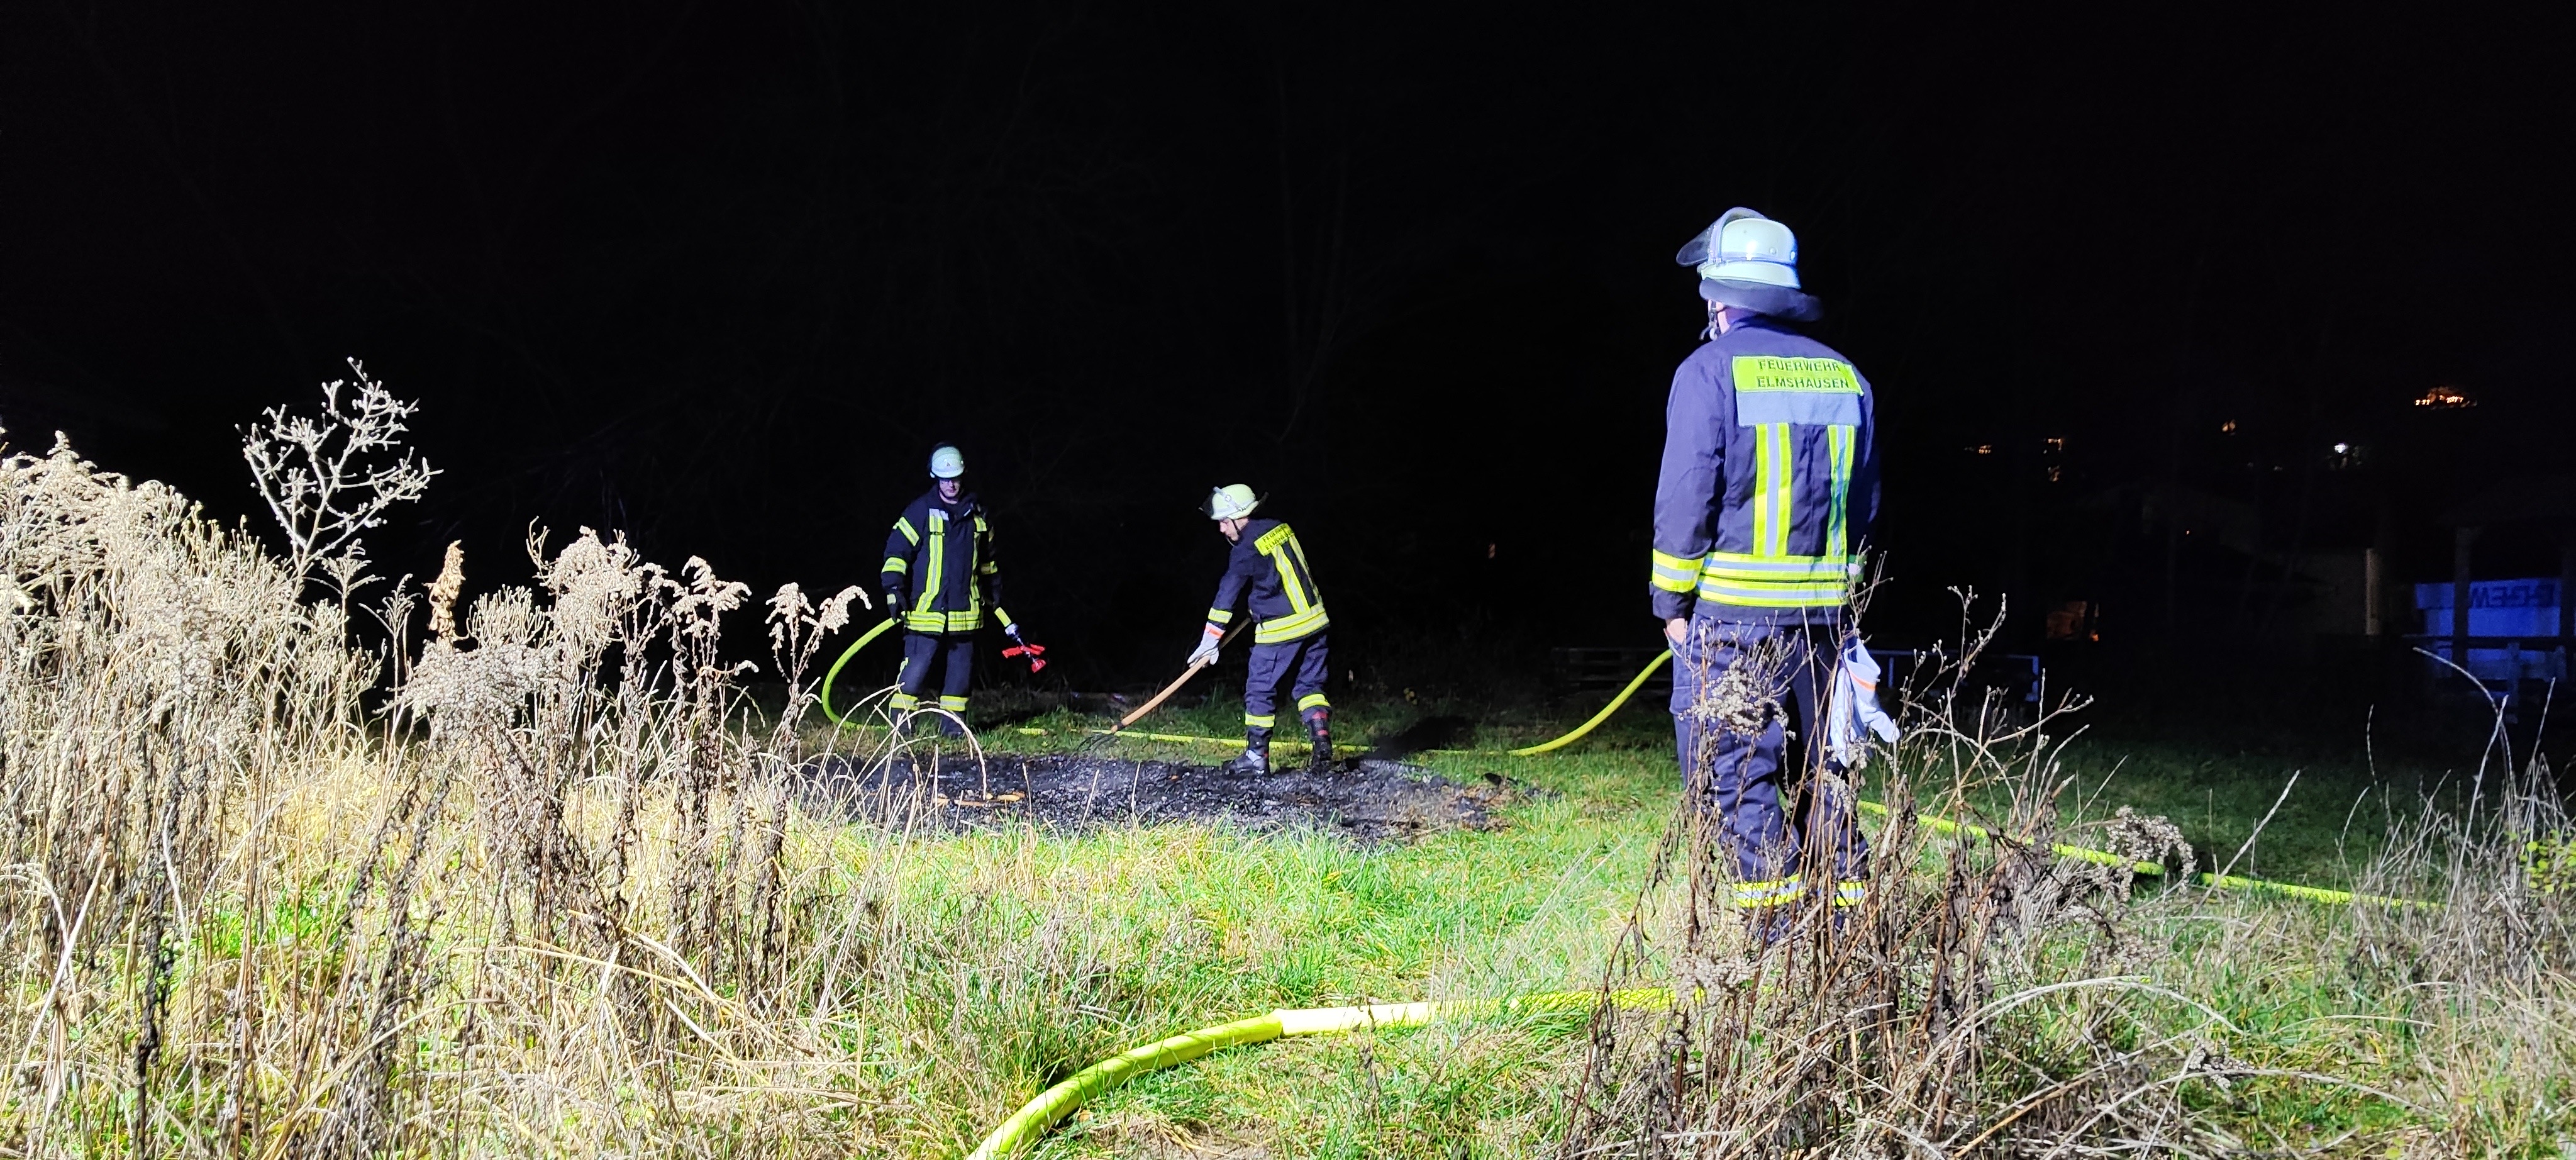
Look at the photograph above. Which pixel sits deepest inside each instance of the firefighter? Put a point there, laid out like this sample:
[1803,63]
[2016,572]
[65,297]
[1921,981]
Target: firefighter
[940,578]
[1289,641]
[1769,484]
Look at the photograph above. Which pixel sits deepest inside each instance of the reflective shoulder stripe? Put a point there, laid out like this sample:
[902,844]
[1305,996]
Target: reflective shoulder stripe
[905,526]
[1270,540]
[1674,573]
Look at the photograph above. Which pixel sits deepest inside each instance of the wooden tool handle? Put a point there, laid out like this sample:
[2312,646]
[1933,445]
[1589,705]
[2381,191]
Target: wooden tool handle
[1176,684]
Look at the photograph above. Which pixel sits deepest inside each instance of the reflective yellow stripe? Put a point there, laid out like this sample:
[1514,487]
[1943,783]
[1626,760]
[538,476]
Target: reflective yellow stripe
[953,704]
[1311,701]
[905,526]
[897,564]
[1773,596]
[1760,569]
[1220,616]
[1762,473]
[1749,581]
[1784,486]
[938,554]
[1290,627]
[1851,893]
[1264,721]
[1760,895]
[1838,440]
[903,702]
[1675,573]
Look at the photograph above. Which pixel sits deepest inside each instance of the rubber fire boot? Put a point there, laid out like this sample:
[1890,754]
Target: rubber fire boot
[1256,753]
[1319,728]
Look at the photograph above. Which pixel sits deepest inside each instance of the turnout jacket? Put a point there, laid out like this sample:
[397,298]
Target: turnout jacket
[939,562]
[1268,564]
[1770,479]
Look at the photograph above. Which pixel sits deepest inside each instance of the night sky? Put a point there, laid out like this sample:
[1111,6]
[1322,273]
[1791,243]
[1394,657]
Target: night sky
[721,275]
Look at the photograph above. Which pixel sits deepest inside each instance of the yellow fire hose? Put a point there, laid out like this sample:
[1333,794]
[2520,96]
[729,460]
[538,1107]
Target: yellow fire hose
[846,654]
[1054,1104]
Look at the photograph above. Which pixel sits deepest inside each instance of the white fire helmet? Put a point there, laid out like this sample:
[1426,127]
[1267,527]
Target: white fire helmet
[1747,260]
[946,462]
[1234,501]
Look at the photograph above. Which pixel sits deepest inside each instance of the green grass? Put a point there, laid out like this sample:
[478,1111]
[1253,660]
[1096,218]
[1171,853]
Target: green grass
[1169,928]
[1185,926]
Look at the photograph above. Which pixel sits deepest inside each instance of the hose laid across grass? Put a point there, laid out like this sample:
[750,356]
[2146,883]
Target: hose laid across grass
[1606,710]
[1980,833]
[1051,1106]
[1975,833]
[846,654]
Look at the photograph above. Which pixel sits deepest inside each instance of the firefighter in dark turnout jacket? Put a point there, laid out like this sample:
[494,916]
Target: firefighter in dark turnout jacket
[1268,569]
[1770,480]
[940,579]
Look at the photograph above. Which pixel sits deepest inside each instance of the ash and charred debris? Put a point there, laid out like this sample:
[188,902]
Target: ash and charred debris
[1368,800]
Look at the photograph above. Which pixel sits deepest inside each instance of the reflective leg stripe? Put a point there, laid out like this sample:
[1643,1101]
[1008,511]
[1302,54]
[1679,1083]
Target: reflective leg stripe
[903,702]
[1838,445]
[896,564]
[1760,895]
[952,704]
[1264,721]
[1851,893]
[1312,701]
[1287,628]
[1675,573]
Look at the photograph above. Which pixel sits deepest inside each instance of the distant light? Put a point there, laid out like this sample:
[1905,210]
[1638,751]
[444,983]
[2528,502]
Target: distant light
[2444,399]
[2341,448]
[1982,449]
[2056,443]
[2227,428]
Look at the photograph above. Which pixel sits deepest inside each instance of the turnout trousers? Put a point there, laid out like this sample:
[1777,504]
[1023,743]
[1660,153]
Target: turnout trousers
[1301,664]
[1739,690]
[953,653]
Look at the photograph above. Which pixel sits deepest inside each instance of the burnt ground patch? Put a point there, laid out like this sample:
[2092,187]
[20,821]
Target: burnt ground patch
[1370,800]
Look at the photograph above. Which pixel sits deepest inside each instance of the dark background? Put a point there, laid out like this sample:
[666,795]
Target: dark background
[720,275]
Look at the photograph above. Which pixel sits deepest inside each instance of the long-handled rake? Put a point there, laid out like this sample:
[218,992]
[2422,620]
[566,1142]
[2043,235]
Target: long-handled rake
[1101,740]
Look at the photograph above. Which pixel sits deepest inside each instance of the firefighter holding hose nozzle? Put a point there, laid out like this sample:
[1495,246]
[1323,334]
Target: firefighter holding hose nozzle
[1769,482]
[1268,570]
[939,579]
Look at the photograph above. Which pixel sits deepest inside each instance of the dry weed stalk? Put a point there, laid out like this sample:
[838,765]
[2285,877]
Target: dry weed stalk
[1994,999]
[553,901]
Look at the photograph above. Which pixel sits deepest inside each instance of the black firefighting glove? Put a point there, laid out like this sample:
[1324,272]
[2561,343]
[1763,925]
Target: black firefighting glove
[894,608]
